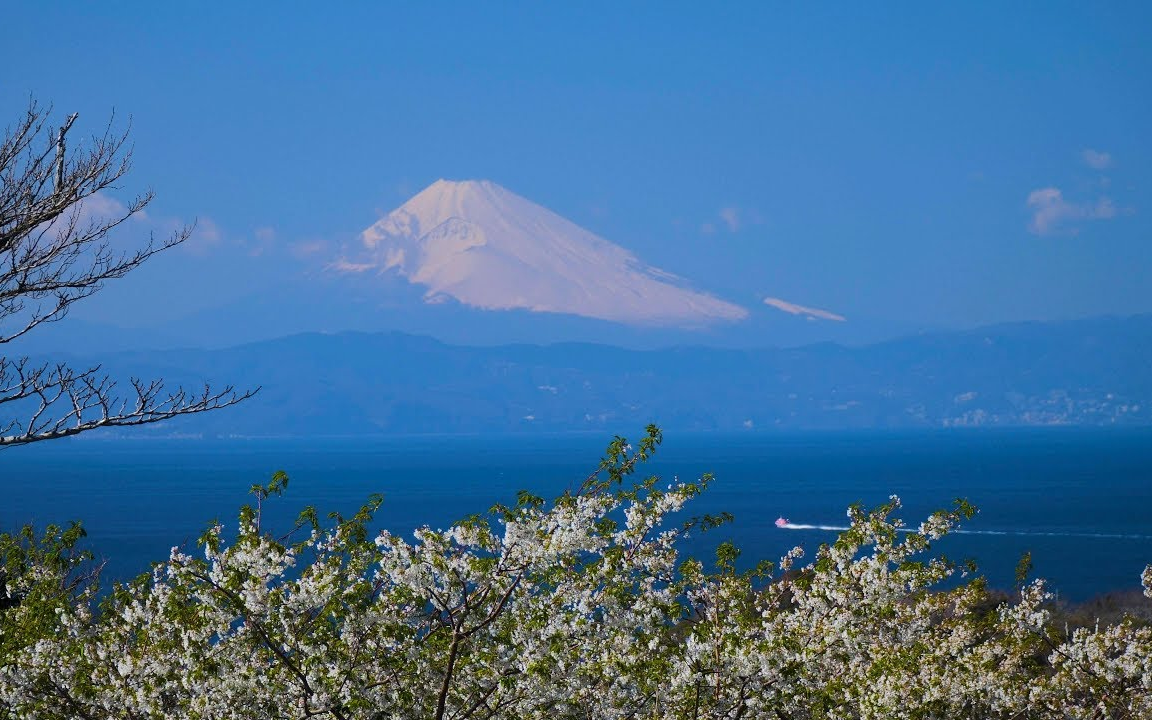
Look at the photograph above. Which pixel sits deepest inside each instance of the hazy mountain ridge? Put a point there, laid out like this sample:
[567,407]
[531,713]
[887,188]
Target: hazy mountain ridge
[1088,372]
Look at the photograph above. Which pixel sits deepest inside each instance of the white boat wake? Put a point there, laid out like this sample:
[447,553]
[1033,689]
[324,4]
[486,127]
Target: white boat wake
[786,525]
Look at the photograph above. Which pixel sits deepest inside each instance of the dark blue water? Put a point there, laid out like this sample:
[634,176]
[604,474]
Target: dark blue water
[1079,501]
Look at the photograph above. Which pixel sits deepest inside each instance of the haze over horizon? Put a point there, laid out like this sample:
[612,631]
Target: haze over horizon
[869,171]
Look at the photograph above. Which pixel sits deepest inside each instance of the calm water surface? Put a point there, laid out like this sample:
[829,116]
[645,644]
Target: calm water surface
[1080,501]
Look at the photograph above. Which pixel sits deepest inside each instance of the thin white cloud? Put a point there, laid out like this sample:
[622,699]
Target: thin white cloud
[731,217]
[1096,159]
[307,248]
[264,239]
[1052,213]
[808,312]
[96,209]
[209,238]
[101,206]
[345,266]
[205,238]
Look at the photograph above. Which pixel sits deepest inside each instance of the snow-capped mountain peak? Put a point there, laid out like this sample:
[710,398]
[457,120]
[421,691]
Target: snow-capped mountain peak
[487,247]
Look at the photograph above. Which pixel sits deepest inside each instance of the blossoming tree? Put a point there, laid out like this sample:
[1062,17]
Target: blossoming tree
[581,607]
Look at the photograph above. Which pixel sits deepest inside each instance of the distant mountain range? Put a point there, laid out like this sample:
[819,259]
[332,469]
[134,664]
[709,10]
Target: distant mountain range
[1086,372]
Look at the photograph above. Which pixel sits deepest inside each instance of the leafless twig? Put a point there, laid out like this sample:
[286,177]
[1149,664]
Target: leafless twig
[53,254]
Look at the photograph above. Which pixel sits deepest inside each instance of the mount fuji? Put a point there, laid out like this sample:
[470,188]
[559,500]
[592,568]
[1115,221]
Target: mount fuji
[486,247]
[466,262]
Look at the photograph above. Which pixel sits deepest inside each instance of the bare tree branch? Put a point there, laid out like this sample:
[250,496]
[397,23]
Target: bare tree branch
[53,254]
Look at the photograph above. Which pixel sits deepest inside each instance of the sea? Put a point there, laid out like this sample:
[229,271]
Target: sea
[1079,501]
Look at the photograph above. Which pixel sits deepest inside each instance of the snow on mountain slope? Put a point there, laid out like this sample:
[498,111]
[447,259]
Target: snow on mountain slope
[484,246]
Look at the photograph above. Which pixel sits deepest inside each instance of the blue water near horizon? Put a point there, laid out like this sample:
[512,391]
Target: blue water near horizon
[1079,500]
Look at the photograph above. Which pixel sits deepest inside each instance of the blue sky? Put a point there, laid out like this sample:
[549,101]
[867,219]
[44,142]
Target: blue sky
[923,166]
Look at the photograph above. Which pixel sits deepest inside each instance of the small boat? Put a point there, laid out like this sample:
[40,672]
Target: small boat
[781,522]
